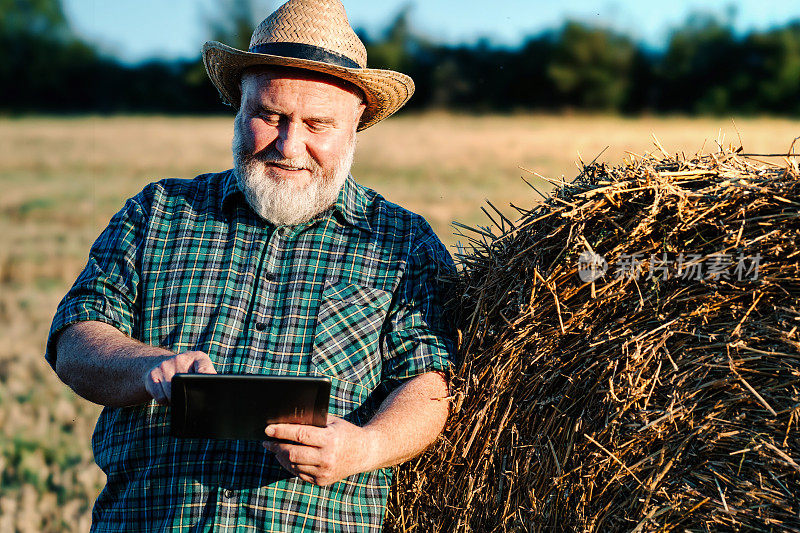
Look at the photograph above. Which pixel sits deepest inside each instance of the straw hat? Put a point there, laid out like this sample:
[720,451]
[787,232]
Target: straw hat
[313,35]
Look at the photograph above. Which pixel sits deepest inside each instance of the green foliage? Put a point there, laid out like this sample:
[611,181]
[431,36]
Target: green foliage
[38,53]
[705,67]
[700,68]
[44,18]
[234,21]
[395,51]
[592,67]
[775,59]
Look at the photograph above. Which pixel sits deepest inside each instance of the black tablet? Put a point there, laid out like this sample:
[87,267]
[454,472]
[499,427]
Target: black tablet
[240,406]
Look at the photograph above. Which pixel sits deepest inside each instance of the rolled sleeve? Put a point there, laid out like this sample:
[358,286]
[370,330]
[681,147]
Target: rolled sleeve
[420,334]
[106,290]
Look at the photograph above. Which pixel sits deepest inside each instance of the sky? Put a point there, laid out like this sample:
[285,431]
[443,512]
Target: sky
[136,30]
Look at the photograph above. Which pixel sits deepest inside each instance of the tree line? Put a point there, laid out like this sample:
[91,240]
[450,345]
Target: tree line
[705,67]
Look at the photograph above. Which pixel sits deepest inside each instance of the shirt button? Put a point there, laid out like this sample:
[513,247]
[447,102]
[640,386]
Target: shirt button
[260,326]
[228,493]
[270,276]
[281,231]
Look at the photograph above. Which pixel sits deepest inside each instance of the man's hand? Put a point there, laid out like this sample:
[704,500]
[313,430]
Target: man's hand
[107,367]
[408,421]
[322,456]
[158,380]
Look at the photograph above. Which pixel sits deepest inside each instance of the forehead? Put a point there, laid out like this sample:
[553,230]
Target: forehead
[274,86]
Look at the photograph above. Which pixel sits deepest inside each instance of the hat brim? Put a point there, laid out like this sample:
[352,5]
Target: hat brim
[385,91]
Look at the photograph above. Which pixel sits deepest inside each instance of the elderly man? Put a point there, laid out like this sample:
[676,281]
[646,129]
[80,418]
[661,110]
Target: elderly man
[283,265]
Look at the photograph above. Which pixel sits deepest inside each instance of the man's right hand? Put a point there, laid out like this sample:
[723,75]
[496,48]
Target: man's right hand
[105,366]
[158,380]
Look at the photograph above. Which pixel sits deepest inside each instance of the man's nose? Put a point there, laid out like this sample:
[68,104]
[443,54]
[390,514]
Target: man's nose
[290,141]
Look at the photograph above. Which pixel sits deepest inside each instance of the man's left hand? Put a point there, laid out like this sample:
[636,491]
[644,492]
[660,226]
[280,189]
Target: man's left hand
[318,455]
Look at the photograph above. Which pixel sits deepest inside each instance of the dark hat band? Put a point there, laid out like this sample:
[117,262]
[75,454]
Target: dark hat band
[304,51]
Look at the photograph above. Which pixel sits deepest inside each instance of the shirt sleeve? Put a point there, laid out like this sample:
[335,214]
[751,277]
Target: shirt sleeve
[420,333]
[106,290]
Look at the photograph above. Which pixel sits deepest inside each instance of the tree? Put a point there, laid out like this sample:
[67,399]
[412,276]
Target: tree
[773,62]
[591,67]
[233,21]
[41,61]
[531,85]
[44,18]
[395,50]
[701,70]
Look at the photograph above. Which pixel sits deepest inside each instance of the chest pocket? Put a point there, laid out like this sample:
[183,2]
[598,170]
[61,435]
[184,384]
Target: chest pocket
[346,342]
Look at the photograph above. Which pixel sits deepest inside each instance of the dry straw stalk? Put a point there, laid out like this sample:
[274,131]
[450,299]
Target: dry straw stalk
[664,395]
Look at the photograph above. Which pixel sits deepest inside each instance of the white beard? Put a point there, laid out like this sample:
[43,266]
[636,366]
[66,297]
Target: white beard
[285,202]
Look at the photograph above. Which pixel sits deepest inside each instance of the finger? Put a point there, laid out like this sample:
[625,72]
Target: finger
[315,476]
[163,387]
[284,462]
[294,454]
[154,385]
[307,478]
[203,365]
[150,387]
[166,386]
[166,371]
[300,433]
[310,471]
[298,456]
[306,472]
[287,465]
[179,364]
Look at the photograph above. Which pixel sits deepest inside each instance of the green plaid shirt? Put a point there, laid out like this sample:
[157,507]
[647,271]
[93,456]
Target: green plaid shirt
[354,295]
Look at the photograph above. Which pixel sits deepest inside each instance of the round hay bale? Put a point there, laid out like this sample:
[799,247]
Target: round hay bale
[630,359]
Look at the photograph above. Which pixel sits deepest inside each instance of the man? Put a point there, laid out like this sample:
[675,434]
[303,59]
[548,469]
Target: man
[283,265]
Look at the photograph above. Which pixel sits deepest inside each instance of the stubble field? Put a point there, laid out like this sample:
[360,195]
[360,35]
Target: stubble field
[62,179]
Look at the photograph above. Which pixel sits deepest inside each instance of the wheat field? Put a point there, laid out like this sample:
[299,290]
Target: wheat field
[63,178]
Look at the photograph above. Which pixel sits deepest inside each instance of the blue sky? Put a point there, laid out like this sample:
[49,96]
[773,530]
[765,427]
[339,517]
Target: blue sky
[139,29]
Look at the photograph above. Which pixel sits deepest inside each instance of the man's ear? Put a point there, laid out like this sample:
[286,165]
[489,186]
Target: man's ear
[360,111]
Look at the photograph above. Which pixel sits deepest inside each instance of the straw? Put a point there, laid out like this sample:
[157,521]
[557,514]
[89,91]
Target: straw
[630,403]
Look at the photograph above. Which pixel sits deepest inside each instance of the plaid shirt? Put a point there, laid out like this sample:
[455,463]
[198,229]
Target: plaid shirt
[353,295]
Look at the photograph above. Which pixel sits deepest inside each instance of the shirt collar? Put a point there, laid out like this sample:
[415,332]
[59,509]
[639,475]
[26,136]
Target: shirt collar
[230,189]
[351,204]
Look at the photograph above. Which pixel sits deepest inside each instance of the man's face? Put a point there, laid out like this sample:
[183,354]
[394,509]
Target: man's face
[294,138]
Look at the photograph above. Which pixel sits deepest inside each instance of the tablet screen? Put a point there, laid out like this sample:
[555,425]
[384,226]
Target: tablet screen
[240,406]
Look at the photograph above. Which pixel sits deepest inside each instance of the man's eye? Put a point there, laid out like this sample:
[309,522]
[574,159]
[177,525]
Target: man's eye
[271,118]
[317,126]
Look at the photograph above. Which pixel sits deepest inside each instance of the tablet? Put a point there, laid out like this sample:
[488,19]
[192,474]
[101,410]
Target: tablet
[240,406]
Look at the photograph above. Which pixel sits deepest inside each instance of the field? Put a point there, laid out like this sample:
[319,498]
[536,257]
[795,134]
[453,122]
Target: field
[62,179]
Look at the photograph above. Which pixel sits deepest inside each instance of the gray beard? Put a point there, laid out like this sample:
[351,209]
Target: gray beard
[284,202]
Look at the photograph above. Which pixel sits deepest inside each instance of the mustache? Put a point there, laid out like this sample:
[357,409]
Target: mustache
[271,155]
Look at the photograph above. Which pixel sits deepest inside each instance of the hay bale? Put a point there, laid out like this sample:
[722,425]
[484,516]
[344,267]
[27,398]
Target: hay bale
[647,399]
